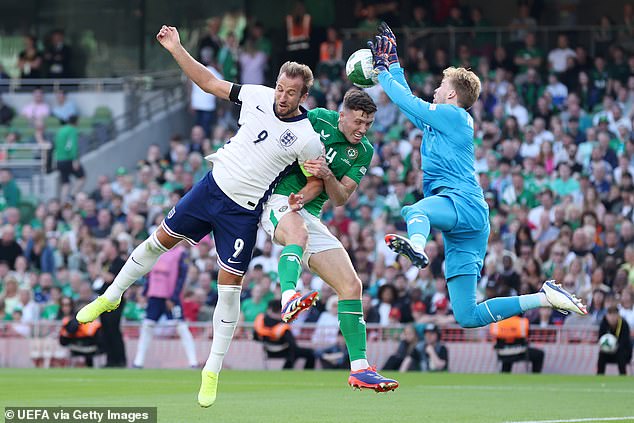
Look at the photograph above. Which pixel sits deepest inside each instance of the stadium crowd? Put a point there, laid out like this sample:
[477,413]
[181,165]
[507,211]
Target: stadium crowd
[554,155]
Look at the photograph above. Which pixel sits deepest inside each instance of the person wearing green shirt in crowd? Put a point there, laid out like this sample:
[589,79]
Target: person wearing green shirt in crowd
[565,185]
[258,302]
[291,218]
[529,56]
[66,154]
[9,190]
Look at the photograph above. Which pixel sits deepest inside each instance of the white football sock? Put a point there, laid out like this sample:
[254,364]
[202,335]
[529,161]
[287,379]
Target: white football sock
[147,333]
[360,364]
[286,295]
[225,320]
[137,265]
[188,343]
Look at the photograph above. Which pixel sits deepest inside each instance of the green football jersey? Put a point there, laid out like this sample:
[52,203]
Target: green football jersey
[344,158]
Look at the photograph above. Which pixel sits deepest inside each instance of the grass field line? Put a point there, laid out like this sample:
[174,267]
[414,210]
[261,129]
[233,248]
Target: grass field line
[590,419]
[524,388]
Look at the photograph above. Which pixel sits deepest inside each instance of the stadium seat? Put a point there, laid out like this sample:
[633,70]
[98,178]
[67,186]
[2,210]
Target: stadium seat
[52,122]
[20,122]
[102,114]
[270,353]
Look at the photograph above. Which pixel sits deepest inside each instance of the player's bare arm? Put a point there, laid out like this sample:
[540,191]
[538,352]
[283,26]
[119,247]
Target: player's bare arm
[314,186]
[338,190]
[199,74]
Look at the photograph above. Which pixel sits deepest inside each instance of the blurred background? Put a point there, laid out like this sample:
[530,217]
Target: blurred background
[101,135]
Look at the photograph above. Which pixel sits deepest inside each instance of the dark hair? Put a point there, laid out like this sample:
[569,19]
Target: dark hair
[359,100]
[275,306]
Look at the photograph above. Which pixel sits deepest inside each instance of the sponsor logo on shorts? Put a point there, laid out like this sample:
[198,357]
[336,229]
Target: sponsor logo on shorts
[232,261]
[283,209]
[288,138]
[171,213]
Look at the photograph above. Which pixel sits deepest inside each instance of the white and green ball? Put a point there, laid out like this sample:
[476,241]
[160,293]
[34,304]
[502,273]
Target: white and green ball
[608,343]
[360,69]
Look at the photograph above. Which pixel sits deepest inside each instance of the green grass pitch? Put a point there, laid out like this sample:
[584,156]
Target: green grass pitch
[323,396]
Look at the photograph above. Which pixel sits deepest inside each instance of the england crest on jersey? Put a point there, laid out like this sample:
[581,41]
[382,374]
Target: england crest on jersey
[288,138]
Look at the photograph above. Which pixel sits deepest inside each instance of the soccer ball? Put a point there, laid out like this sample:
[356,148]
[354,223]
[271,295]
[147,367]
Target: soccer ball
[608,343]
[360,69]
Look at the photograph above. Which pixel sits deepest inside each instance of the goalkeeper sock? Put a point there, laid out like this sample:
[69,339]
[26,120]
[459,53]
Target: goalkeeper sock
[352,325]
[225,320]
[138,264]
[418,226]
[289,268]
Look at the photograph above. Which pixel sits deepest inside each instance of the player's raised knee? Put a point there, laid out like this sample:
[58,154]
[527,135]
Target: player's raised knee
[351,288]
[466,318]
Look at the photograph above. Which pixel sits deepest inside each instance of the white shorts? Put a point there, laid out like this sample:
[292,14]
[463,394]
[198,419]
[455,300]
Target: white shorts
[319,237]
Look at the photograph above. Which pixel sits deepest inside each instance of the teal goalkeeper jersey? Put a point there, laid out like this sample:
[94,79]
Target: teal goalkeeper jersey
[447,150]
[343,157]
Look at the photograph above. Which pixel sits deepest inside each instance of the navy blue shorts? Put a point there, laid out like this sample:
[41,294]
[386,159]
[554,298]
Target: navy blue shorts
[156,307]
[206,209]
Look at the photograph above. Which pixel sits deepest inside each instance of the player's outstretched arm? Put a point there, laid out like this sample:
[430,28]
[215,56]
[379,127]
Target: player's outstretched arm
[393,62]
[199,74]
[439,116]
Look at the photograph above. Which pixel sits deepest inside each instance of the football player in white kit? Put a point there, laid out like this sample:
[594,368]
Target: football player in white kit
[274,134]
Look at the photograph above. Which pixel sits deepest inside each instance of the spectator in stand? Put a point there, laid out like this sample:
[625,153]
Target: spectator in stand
[64,108]
[108,264]
[558,56]
[30,60]
[36,109]
[331,54]
[433,355]
[253,64]
[66,154]
[528,57]
[406,348]
[6,113]
[278,338]
[614,324]
[203,104]
[58,56]
[9,247]
[9,191]
[209,45]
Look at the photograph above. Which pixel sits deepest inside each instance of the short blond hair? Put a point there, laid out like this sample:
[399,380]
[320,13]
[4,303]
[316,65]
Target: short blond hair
[298,70]
[465,83]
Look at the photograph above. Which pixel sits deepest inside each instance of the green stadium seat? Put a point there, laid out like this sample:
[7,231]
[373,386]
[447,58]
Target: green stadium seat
[102,114]
[52,122]
[20,122]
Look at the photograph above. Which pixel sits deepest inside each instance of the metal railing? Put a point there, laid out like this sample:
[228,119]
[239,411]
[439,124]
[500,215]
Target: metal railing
[145,81]
[582,334]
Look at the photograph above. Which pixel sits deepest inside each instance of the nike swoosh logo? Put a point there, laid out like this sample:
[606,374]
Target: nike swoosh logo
[135,261]
[324,135]
[233,261]
[258,107]
[224,321]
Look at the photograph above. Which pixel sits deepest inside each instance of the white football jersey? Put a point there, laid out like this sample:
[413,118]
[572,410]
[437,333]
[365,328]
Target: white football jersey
[249,166]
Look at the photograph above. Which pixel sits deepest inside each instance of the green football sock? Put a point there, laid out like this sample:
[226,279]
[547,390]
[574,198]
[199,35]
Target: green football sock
[290,266]
[352,325]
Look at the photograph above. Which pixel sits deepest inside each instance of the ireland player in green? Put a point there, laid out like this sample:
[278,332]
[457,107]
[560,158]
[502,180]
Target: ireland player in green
[291,218]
